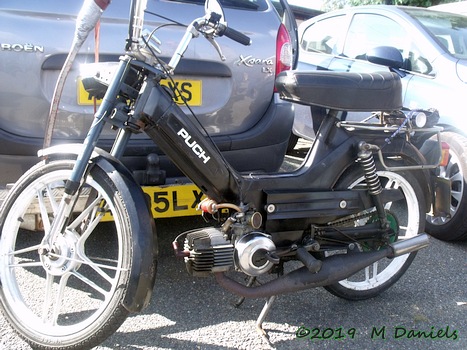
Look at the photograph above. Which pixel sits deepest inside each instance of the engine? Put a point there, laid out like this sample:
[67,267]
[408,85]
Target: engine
[207,250]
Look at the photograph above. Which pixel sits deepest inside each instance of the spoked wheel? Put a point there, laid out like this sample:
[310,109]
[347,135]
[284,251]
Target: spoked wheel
[68,296]
[407,214]
[453,226]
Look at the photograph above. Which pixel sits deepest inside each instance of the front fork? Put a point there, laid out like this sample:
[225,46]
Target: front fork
[72,185]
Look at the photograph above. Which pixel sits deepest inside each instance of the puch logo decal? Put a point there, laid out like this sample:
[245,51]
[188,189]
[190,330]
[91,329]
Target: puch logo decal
[250,61]
[195,147]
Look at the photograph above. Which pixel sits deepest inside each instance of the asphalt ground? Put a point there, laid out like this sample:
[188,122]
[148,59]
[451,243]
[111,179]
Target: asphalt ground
[425,309]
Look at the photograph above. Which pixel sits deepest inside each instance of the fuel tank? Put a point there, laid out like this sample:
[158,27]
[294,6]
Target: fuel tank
[189,147]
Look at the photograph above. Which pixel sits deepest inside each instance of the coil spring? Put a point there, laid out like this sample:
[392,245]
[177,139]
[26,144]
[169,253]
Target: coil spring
[367,162]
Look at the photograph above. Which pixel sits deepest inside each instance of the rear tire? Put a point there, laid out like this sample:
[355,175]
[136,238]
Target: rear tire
[409,213]
[454,227]
[71,296]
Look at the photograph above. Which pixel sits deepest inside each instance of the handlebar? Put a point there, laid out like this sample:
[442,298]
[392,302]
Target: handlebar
[209,29]
[235,35]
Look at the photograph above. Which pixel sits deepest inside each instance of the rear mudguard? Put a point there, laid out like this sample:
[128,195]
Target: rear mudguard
[144,264]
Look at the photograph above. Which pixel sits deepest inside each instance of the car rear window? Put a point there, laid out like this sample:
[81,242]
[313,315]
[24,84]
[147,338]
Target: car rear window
[255,5]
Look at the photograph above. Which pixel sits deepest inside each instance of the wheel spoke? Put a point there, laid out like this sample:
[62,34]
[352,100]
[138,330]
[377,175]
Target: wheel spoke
[53,203]
[457,195]
[89,262]
[390,184]
[25,250]
[26,264]
[402,228]
[48,302]
[87,212]
[43,210]
[457,177]
[367,274]
[59,298]
[375,271]
[91,283]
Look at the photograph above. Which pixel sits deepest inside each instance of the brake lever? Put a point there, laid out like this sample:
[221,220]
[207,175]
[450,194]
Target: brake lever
[216,46]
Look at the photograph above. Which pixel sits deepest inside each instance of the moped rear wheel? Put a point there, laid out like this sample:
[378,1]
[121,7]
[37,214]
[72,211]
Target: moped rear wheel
[70,296]
[408,213]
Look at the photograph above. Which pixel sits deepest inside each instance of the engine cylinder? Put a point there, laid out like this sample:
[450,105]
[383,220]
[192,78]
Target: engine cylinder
[209,252]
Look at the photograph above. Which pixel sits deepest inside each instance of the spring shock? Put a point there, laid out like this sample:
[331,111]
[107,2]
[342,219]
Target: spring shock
[367,161]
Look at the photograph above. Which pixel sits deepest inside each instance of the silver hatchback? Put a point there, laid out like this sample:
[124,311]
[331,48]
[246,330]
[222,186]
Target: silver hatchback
[234,99]
[434,48]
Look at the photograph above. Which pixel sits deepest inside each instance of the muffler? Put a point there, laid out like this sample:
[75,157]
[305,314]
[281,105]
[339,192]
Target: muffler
[335,268]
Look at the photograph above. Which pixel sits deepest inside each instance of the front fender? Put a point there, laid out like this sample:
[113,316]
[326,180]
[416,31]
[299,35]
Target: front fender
[145,251]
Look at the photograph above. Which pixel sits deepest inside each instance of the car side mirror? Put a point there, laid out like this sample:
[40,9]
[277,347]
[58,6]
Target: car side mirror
[386,56]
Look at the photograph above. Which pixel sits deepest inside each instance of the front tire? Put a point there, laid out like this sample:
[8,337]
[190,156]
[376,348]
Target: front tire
[71,296]
[409,214]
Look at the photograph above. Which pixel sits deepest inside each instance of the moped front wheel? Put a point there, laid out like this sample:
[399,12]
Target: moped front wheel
[69,296]
[406,214]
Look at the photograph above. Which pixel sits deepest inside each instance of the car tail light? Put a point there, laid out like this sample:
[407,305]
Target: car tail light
[444,154]
[284,55]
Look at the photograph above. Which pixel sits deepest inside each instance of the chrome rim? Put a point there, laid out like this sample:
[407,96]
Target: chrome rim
[62,292]
[408,216]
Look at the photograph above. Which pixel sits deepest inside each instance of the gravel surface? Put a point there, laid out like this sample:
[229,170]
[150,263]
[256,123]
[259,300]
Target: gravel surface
[195,313]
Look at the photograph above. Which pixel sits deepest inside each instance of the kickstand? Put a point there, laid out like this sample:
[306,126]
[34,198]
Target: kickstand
[262,316]
[240,300]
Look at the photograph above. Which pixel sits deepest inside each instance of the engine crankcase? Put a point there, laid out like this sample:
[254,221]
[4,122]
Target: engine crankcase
[251,253]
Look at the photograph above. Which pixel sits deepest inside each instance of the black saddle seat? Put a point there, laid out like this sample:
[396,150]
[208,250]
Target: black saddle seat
[346,91]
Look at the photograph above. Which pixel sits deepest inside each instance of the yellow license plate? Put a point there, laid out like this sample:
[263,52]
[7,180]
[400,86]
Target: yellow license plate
[191,90]
[171,201]
[175,200]
[83,97]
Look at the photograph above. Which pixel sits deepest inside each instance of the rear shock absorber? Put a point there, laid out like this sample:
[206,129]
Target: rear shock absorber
[367,161]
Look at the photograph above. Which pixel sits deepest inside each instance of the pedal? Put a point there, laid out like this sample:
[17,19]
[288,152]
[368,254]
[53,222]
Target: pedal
[312,264]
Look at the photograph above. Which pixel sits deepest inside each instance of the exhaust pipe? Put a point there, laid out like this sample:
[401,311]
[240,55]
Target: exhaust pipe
[409,245]
[335,268]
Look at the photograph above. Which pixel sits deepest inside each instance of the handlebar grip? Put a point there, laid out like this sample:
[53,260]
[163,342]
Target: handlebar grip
[235,35]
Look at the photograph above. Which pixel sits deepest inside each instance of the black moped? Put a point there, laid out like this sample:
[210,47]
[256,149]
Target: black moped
[78,246]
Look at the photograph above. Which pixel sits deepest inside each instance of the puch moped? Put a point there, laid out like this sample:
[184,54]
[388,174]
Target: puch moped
[78,246]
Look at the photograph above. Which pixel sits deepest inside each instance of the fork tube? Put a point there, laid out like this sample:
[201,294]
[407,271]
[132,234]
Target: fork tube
[120,143]
[98,123]
[72,185]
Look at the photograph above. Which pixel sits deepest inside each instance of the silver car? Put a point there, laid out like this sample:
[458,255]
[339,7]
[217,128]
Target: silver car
[434,49]
[233,99]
